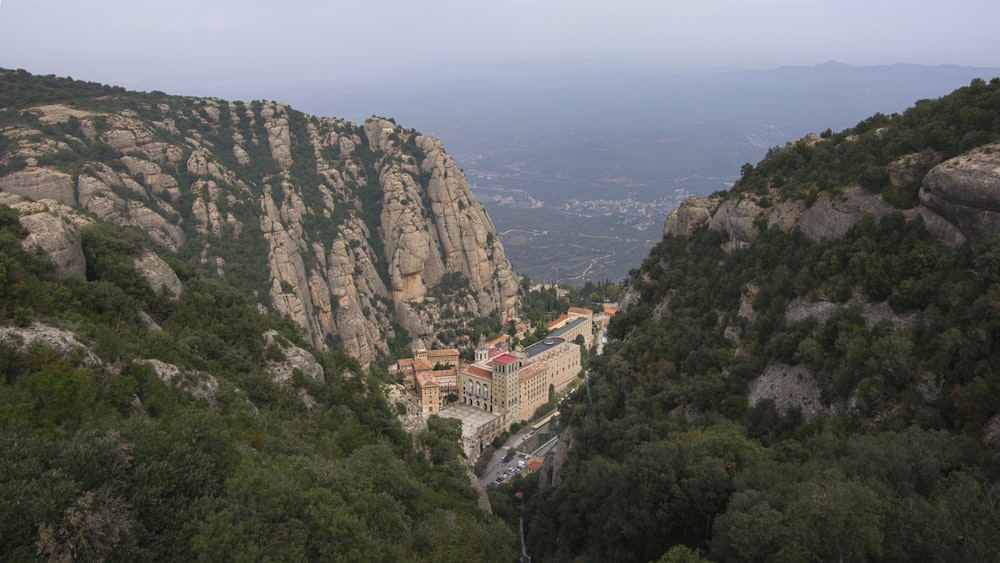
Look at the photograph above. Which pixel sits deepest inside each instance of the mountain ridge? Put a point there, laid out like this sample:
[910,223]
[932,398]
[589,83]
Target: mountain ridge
[348,229]
[804,367]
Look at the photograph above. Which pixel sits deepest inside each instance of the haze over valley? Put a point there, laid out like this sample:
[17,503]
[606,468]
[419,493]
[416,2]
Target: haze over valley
[269,281]
[578,165]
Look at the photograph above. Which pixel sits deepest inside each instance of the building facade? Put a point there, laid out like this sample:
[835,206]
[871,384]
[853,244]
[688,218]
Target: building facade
[513,384]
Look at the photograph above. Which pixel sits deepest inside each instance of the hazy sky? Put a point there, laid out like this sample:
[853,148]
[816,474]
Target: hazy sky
[188,46]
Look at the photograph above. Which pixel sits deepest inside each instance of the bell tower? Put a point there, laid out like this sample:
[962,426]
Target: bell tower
[481,351]
[506,384]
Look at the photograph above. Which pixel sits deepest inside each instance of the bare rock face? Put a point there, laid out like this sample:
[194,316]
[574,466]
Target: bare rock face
[158,274]
[62,341]
[278,134]
[374,235]
[201,386]
[40,183]
[831,217]
[959,199]
[467,236]
[433,225]
[98,196]
[53,228]
[736,218]
[295,358]
[873,312]
[406,407]
[790,387]
[693,213]
[965,190]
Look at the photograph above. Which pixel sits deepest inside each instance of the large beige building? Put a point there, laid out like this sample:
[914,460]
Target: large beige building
[431,375]
[502,386]
[513,384]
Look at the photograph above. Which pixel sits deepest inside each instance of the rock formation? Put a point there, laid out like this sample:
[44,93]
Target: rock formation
[54,229]
[62,341]
[357,233]
[694,212]
[959,199]
[966,191]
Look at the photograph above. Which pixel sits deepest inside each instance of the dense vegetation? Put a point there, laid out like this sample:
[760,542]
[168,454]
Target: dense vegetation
[927,133]
[899,460]
[110,462]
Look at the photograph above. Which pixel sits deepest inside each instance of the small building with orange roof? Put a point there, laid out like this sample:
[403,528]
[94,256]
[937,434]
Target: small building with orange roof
[428,392]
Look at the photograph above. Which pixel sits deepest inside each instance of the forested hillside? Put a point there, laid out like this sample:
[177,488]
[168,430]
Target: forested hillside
[159,400]
[791,399]
[114,461]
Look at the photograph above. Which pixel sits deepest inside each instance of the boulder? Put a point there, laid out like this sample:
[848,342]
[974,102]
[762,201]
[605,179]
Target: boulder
[965,190]
[158,274]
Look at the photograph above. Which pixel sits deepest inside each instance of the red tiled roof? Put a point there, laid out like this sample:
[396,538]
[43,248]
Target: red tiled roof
[535,463]
[558,321]
[478,371]
[506,358]
[425,379]
[497,340]
[580,311]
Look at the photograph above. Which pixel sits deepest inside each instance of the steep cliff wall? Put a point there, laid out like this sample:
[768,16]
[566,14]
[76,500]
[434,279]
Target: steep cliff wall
[354,232]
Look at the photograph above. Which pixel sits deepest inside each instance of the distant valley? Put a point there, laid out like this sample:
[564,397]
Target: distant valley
[589,206]
[579,164]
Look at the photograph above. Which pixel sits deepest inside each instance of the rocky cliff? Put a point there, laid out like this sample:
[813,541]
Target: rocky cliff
[958,199]
[358,233]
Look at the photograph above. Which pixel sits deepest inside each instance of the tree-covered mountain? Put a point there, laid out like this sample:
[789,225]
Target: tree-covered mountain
[807,367]
[366,236]
[171,388]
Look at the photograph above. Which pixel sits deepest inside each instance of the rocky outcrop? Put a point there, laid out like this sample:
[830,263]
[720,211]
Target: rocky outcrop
[966,191]
[201,386]
[61,341]
[54,229]
[406,407]
[832,216]
[991,433]
[873,312]
[353,232]
[694,212]
[790,387]
[959,199]
[294,359]
[158,274]
[40,183]
[433,225]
